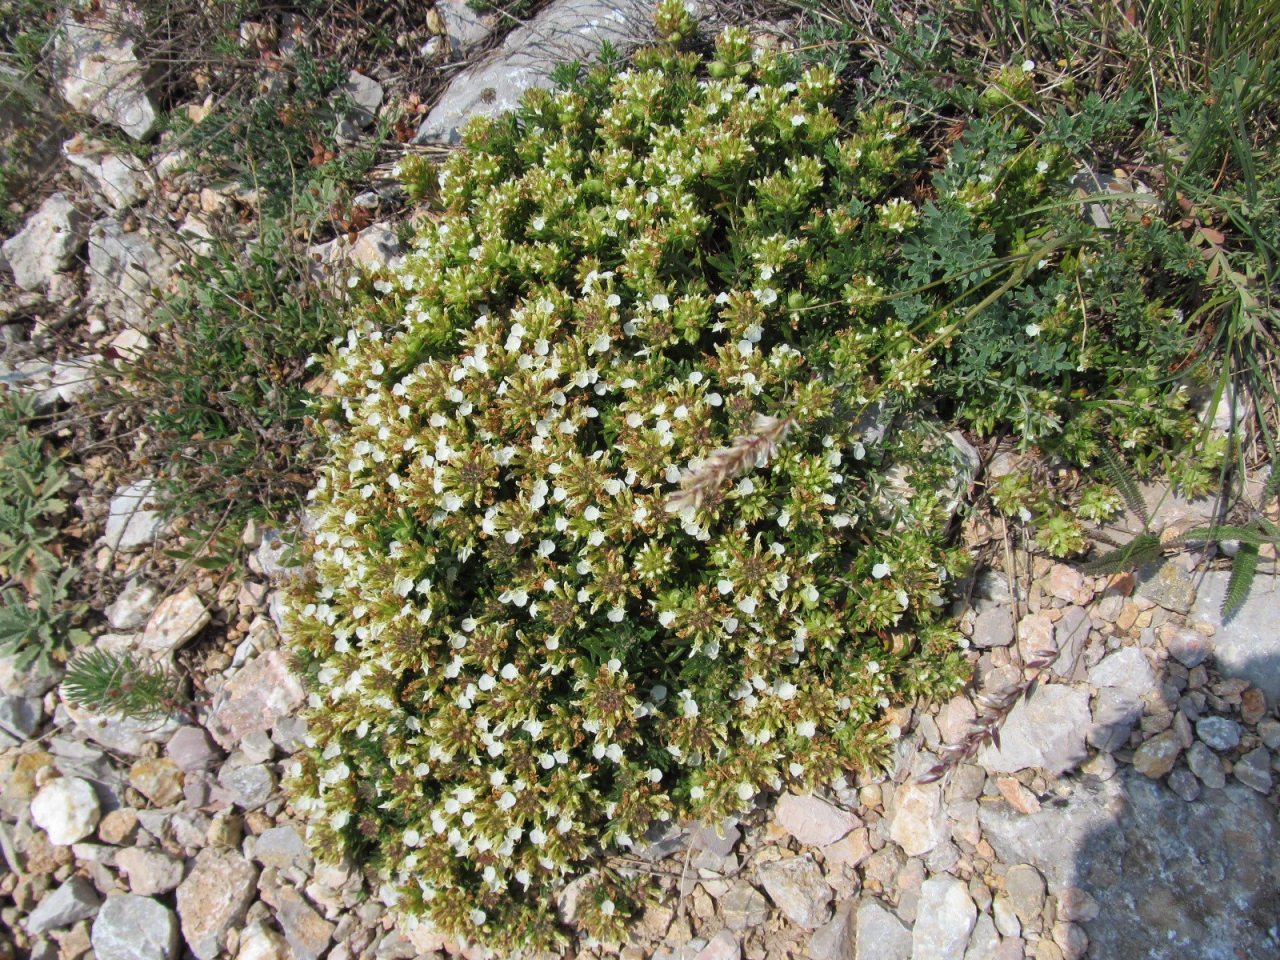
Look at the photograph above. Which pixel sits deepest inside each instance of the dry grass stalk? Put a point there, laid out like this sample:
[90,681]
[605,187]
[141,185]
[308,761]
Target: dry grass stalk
[725,463]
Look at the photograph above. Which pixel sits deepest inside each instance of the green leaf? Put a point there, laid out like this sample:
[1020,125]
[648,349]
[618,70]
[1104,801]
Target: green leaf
[1142,549]
[1243,569]
[1122,477]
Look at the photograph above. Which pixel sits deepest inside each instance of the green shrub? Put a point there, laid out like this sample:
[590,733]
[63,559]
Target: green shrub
[600,542]
[221,391]
[37,616]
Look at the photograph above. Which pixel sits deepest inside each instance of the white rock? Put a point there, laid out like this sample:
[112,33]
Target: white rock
[723,946]
[466,27]
[131,927]
[178,618]
[100,75]
[121,179]
[261,943]
[946,916]
[919,821]
[66,809]
[123,734]
[125,267]
[1046,731]
[564,30]
[813,821]
[74,900]
[1127,669]
[132,520]
[365,94]
[46,244]
[881,935]
[133,607]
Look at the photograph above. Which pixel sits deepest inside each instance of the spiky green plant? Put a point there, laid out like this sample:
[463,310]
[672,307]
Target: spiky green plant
[124,684]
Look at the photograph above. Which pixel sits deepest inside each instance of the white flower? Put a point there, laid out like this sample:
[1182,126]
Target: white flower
[725,586]
[747,605]
[509,672]
[746,791]
[607,908]
[478,917]
[507,801]
[1033,329]
[660,302]
[654,775]
[539,223]
[617,614]
[881,570]
[666,618]
[696,793]
[1028,65]
[786,691]
[411,838]
[806,728]
[623,214]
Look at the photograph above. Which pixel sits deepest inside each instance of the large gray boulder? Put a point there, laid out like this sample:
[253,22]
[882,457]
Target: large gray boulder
[1196,881]
[1246,647]
[565,30]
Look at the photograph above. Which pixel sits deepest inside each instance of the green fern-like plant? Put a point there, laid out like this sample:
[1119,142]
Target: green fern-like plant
[1147,546]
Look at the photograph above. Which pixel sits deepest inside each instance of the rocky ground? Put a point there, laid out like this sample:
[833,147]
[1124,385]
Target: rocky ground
[1128,812]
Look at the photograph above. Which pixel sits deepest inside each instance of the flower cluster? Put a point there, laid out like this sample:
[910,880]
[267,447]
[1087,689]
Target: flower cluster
[598,544]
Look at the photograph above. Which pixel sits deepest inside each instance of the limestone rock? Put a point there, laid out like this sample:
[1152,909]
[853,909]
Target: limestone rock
[946,917]
[467,29]
[46,244]
[131,927]
[307,932]
[365,95]
[1048,730]
[150,873]
[193,750]
[261,943]
[881,935]
[213,899]
[1127,669]
[564,30]
[919,820]
[1254,770]
[813,821]
[374,246]
[994,627]
[1201,876]
[250,786]
[1169,584]
[159,780]
[20,716]
[31,680]
[125,267]
[133,518]
[123,734]
[99,73]
[797,888]
[1218,732]
[178,618]
[723,946]
[1156,756]
[282,847]
[133,607]
[1247,647]
[835,939]
[74,900]
[1188,647]
[1026,891]
[984,942]
[850,851]
[66,809]
[265,691]
[121,179]
[1206,765]
[744,907]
